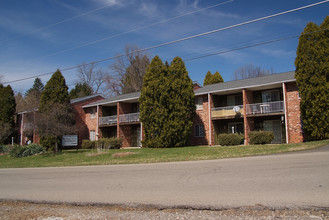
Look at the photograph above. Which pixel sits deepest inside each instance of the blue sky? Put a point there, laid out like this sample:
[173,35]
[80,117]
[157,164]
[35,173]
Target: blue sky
[37,36]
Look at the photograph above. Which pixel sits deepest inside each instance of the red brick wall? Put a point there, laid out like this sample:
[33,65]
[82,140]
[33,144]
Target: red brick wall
[126,135]
[248,122]
[295,134]
[202,118]
[83,122]
[124,131]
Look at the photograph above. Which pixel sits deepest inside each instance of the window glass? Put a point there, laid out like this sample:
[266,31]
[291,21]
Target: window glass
[92,135]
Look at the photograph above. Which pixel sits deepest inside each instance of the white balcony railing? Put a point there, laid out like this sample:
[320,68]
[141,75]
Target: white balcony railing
[227,111]
[129,118]
[108,120]
[265,108]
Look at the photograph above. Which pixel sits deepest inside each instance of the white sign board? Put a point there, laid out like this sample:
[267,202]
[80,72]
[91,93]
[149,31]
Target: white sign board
[70,140]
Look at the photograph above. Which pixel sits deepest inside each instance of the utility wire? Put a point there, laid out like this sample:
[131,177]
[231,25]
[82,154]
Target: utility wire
[179,40]
[57,23]
[239,48]
[133,30]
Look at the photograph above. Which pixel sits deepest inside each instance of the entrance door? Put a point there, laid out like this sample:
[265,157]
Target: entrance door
[275,127]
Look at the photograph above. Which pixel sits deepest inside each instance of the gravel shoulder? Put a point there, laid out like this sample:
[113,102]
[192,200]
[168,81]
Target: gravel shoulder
[53,211]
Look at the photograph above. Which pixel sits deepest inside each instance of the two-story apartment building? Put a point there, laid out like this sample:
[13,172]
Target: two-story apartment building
[269,103]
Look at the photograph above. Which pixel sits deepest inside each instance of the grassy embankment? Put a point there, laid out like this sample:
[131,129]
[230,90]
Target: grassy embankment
[144,155]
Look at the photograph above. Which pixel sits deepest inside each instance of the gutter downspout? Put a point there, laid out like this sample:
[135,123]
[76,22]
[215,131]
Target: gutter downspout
[209,116]
[22,124]
[97,131]
[285,111]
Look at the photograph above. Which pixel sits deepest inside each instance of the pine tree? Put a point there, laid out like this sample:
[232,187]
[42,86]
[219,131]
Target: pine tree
[81,90]
[166,104]
[56,91]
[33,95]
[208,79]
[55,116]
[153,101]
[312,77]
[180,105]
[7,111]
[217,78]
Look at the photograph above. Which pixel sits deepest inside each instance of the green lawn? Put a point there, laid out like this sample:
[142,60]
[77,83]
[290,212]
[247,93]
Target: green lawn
[144,155]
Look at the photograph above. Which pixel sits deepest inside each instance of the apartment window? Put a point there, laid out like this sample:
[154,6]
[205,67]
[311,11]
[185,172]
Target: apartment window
[93,113]
[233,100]
[271,96]
[199,103]
[199,131]
[92,135]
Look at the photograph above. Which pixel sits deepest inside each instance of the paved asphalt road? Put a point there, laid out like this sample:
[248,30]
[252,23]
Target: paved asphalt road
[287,180]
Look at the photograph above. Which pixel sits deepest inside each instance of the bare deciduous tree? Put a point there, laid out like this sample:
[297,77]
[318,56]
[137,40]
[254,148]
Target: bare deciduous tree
[56,122]
[130,70]
[92,75]
[250,71]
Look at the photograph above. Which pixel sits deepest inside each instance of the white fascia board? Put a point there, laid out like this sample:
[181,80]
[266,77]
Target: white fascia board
[246,87]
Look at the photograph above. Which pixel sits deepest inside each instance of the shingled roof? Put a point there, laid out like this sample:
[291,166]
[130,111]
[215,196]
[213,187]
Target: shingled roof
[225,86]
[248,83]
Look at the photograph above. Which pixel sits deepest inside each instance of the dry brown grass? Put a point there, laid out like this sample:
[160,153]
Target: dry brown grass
[123,154]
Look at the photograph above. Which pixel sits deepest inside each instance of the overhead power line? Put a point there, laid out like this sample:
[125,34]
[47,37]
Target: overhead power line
[133,30]
[179,40]
[57,23]
[239,48]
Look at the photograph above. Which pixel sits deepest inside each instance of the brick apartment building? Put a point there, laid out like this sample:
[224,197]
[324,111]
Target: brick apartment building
[269,103]
[24,121]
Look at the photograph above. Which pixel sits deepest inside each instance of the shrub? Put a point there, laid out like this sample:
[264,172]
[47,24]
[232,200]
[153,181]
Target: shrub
[3,149]
[48,142]
[261,137]
[230,139]
[17,151]
[25,151]
[87,144]
[33,149]
[115,143]
[109,143]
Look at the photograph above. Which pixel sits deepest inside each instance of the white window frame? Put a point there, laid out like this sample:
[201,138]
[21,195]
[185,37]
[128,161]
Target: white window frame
[93,113]
[199,103]
[92,135]
[199,131]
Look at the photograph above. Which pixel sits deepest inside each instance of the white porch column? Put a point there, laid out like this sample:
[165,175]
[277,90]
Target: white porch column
[209,116]
[285,111]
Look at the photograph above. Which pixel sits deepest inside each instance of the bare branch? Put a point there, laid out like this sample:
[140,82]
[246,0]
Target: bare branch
[250,71]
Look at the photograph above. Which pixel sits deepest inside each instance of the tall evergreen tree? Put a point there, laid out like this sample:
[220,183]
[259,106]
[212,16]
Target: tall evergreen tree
[180,105]
[212,78]
[56,91]
[55,116]
[7,111]
[312,77]
[166,104]
[217,78]
[81,90]
[153,101]
[207,79]
[33,95]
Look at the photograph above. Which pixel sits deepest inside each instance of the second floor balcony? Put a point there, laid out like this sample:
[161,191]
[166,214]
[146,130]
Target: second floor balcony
[227,112]
[265,108]
[108,120]
[129,118]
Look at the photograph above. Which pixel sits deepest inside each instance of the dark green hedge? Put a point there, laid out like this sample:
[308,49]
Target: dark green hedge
[261,137]
[230,139]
